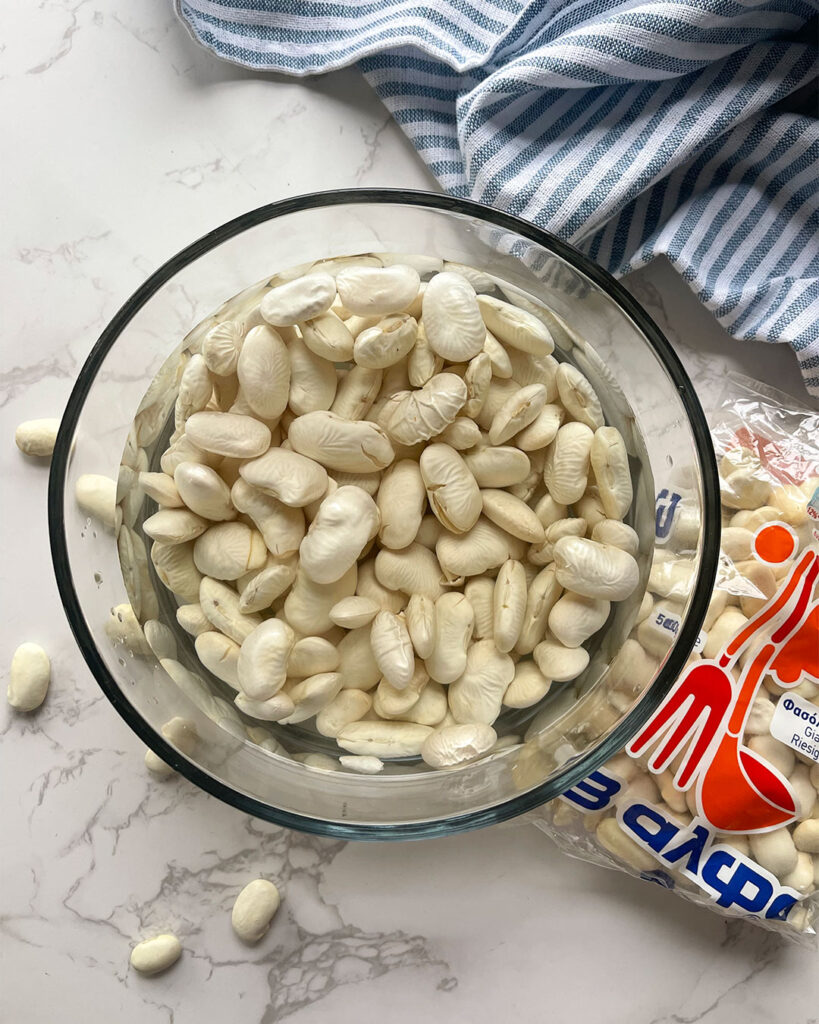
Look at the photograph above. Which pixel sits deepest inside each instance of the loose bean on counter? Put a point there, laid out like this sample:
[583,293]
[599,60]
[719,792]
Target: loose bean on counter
[254,909]
[37,437]
[151,956]
[29,677]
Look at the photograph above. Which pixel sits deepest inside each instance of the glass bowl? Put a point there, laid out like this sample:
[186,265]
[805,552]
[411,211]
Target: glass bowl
[111,422]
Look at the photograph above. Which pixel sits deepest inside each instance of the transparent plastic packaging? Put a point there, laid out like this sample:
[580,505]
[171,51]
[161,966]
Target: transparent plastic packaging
[716,797]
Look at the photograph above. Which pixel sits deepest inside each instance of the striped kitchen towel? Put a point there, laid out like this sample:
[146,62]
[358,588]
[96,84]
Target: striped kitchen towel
[684,127]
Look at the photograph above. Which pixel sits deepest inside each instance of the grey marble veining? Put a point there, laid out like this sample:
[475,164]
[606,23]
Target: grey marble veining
[129,143]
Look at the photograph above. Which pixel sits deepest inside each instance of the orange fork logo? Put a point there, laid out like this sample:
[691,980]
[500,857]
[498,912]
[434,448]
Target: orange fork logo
[703,717]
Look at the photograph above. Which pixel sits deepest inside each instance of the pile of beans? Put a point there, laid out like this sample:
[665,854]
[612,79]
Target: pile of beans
[386,507]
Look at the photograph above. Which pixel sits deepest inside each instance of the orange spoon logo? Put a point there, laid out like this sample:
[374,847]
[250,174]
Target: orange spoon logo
[703,717]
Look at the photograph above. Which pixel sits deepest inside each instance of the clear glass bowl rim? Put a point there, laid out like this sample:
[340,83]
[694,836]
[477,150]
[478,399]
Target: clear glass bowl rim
[563,780]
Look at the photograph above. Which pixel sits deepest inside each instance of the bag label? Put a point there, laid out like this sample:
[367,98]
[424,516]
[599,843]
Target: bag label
[666,619]
[796,723]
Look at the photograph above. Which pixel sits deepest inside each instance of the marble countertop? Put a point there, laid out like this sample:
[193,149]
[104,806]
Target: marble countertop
[124,142]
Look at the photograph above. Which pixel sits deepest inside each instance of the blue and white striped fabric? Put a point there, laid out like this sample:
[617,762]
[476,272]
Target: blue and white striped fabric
[684,127]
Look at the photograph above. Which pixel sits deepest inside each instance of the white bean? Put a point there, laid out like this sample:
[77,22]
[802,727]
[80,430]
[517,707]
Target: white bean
[431,707]
[452,319]
[354,446]
[37,437]
[479,591]
[281,525]
[500,466]
[225,433]
[515,327]
[96,496]
[292,478]
[498,394]
[328,337]
[184,450]
[195,390]
[745,488]
[358,666]
[402,499]
[477,378]
[192,619]
[392,649]
[509,605]
[595,570]
[412,416]
[273,709]
[29,677]
[609,460]
[806,836]
[154,955]
[498,356]
[542,430]
[176,569]
[357,392]
[298,300]
[203,491]
[578,396]
[566,470]
[617,534]
[228,551]
[461,434]
[263,659]
[346,707]
[774,851]
[420,619]
[220,655]
[455,745]
[544,591]
[307,606]
[161,488]
[265,586]
[560,663]
[384,739]
[387,343]
[354,612]
[263,370]
[363,764]
[312,695]
[512,515]
[311,656]
[612,838]
[394,702]
[254,909]
[346,521]
[517,412]
[484,547]
[370,291]
[221,605]
[160,639]
[412,570]
[221,347]
[478,694]
[368,586]
[527,688]
[453,493]
[722,629]
[313,380]
[422,362]
[575,618]
[454,622]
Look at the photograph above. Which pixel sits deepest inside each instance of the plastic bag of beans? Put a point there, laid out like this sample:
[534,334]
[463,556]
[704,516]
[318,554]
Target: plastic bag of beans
[716,797]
